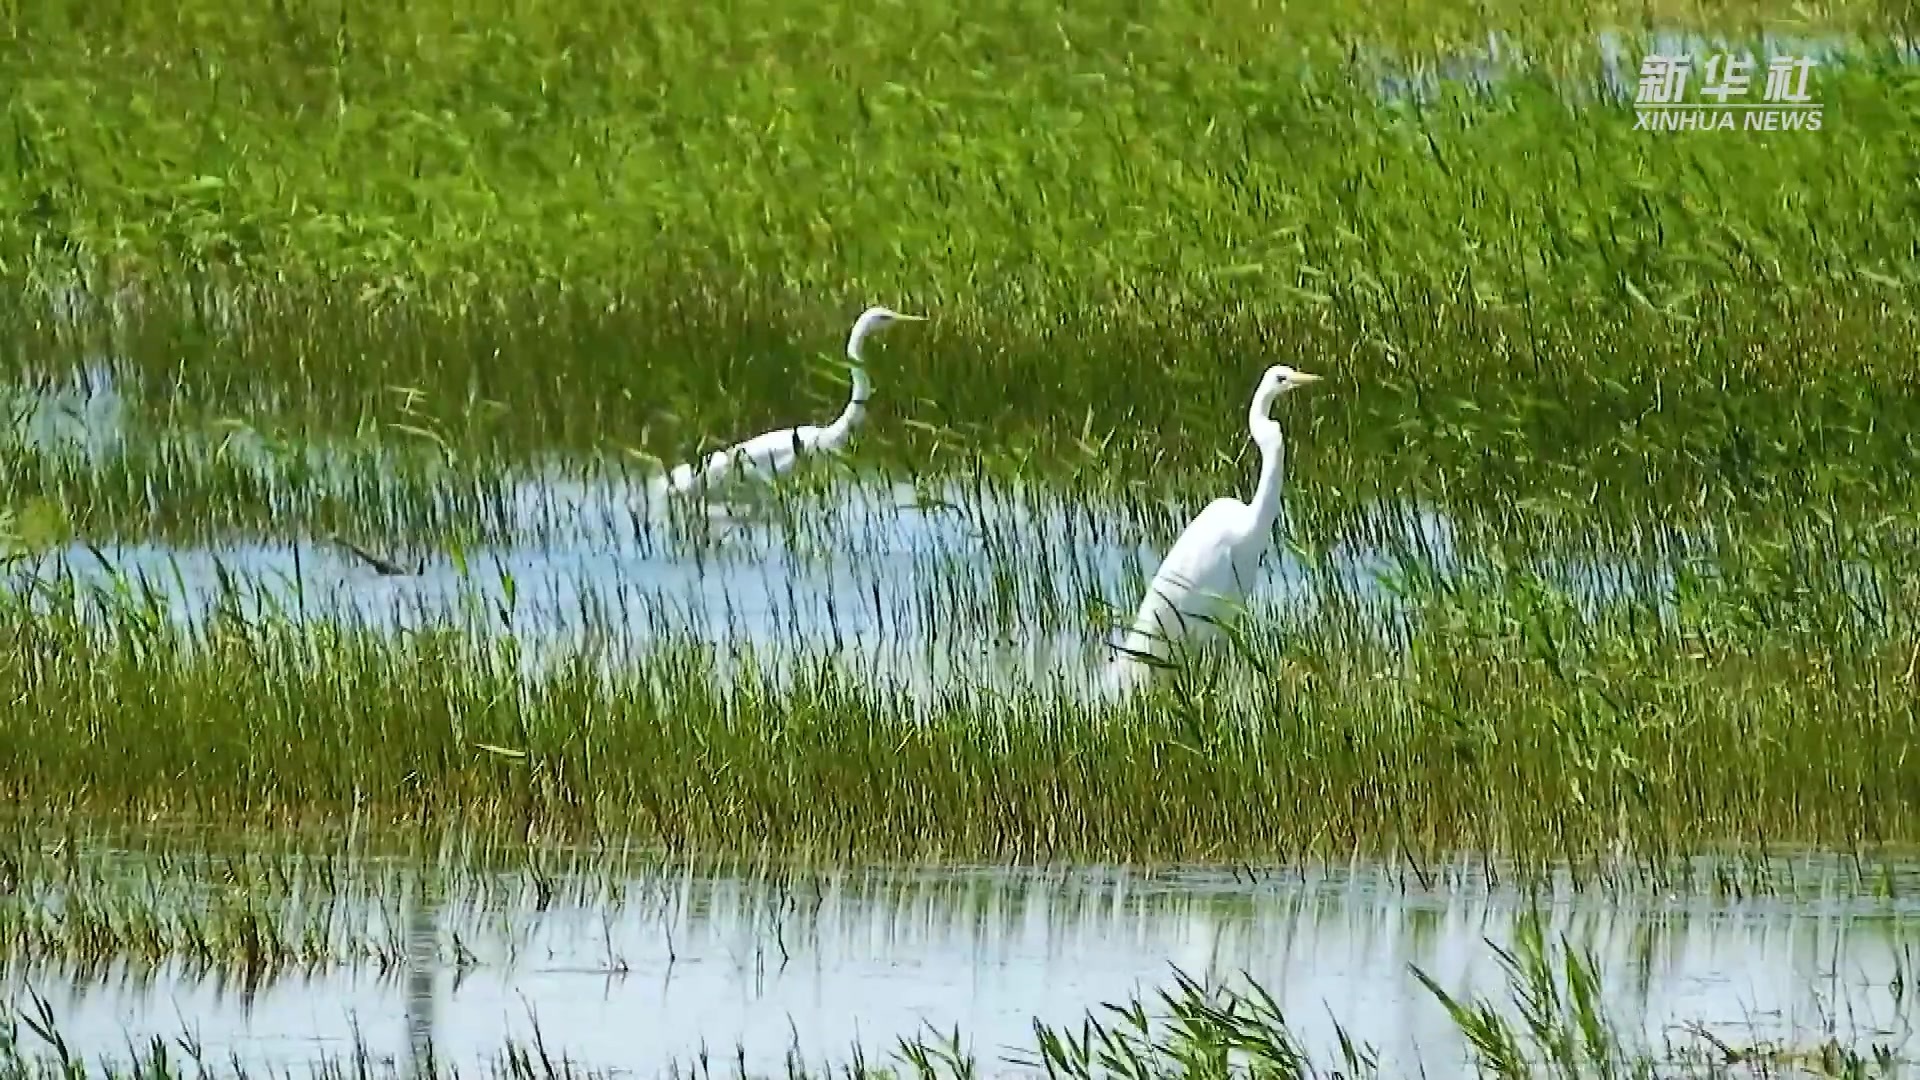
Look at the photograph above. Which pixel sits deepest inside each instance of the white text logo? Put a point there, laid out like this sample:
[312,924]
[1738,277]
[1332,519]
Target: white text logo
[1724,98]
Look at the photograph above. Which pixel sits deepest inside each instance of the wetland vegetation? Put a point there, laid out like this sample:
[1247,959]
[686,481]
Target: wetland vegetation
[1599,545]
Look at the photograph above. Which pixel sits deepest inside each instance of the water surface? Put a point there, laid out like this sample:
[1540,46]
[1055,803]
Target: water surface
[647,972]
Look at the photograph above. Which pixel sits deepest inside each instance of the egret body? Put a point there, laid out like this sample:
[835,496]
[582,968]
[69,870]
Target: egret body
[768,456]
[1216,558]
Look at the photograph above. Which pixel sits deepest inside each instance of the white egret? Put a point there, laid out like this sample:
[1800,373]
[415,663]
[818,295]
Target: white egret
[765,457]
[1216,557]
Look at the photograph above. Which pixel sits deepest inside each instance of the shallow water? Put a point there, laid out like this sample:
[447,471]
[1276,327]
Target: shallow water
[862,959]
[879,574]
[866,576]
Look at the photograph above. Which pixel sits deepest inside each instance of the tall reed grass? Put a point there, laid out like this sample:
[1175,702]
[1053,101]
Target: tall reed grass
[1763,701]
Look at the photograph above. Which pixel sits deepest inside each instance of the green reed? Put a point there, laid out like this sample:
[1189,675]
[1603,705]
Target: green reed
[1762,697]
[1826,440]
[1016,157]
[489,242]
[541,231]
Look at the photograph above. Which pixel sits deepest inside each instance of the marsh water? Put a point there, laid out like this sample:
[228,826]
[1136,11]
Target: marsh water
[639,975]
[876,572]
[890,572]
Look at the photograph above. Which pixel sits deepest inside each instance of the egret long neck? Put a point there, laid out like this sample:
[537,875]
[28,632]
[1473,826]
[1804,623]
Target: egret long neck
[1273,454]
[856,410]
[862,326]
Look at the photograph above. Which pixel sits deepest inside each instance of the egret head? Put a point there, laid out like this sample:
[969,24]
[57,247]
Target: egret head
[873,319]
[1277,380]
[881,316]
[1280,378]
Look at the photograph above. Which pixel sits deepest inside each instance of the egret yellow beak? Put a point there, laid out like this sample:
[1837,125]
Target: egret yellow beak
[911,318]
[1303,377]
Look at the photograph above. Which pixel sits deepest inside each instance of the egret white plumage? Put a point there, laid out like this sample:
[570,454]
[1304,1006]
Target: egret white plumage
[765,457]
[1216,558]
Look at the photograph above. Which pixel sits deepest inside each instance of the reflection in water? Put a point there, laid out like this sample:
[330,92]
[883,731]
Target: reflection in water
[654,971]
[422,960]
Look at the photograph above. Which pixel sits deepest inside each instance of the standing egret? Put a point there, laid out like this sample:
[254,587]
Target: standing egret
[1216,557]
[765,457]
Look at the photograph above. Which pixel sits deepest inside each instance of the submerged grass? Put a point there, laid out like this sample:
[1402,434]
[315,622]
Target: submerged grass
[1556,1019]
[136,907]
[237,913]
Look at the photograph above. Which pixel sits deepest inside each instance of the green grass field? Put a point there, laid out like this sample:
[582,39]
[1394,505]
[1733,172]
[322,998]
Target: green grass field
[361,269]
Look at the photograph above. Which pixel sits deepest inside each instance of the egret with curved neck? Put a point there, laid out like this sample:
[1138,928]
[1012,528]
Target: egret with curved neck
[1218,554]
[836,434]
[768,456]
